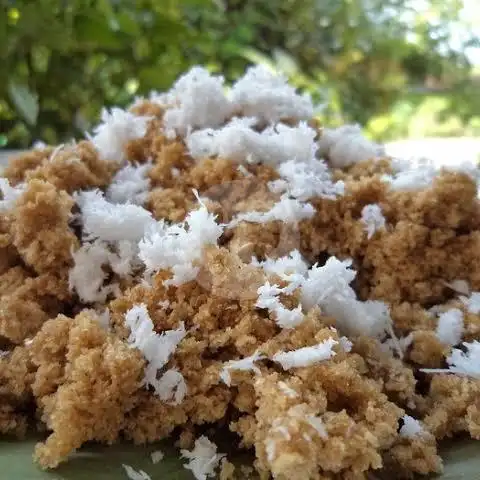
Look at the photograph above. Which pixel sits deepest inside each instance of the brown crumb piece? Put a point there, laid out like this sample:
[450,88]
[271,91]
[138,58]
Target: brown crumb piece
[97,390]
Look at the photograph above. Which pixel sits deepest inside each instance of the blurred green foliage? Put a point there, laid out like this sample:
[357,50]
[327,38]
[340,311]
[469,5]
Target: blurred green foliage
[62,60]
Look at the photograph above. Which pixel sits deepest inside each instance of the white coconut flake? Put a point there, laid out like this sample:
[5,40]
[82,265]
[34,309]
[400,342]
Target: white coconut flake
[287,210]
[462,363]
[238,142]
[373,219]
[332,278]
[472,302]
[459,286]
[284,267]
[306,356]
[289,392]
[450,327]
[268,298]
[118,127]
[178,246]
[9,194]
[197,100]
[157,350]
[304,180]
[346,344]
[171,387]
[111,222]
[414,178]
[130,185]
[203,459]
[318,425]
[411,427]
[346,145]
[133,474]
[87,277]
[268,96]
[244,364]
[157,456]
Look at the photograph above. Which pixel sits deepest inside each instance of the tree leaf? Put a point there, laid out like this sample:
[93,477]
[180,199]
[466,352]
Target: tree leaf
[25,101]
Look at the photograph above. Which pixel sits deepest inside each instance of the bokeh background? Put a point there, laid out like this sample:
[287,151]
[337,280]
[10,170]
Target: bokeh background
[400,68]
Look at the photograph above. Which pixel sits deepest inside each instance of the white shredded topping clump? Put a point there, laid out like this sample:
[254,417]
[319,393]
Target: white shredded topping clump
[287,210]
[238,142]
[268,96]
[268,298]
[322,282]
[157,456]
[157,350]
[178,246]
[111,222]
[197,100]
[462,363]
[86,277]
[133,474]
[304,180]
[203,459]
[118,127]
[450,327]
[329,287]
[472,302]
[289,392]
[346,145]
[171,387]
[130,185]
[284,267]
[306,356]
[413,178]
[244,364]
[373,219]
[9,195]
[411,427]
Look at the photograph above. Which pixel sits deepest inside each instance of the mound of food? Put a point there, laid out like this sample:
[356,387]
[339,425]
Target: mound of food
[214,259]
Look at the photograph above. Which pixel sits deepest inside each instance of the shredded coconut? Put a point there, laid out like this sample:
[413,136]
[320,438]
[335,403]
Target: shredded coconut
[238,142]
[244,364]
[411,427]
[134,475]
[117,128]
[289,392]
[9,194]
[196,101]
[111,222]
[332,278]
[373,219]
[318,425]
[287,210]
[130,185]
[178,246]
[203,459]
[157,349]
[86,277]
[157,456]
[284,267]
[306,180]
[450,327]
[472,302]
[345,146]
[416,177]
[171,387]
[268,96]
[268,298]
[303,357]
[462,363]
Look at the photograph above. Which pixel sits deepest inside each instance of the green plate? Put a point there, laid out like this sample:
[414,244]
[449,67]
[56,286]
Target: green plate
[96,462]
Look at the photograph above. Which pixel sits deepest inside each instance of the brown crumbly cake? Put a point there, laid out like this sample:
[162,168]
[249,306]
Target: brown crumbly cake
[320,374]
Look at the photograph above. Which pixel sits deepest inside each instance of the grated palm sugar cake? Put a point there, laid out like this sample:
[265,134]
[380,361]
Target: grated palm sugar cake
[213,258]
